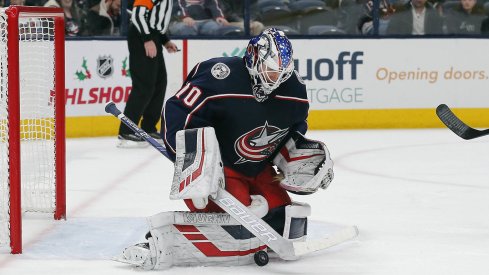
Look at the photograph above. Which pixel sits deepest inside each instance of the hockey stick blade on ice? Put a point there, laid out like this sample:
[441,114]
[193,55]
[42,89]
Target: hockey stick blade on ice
[456,125]
[111,108]
[285,248]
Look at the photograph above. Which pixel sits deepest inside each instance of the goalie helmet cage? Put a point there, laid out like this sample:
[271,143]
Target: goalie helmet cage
[32,124]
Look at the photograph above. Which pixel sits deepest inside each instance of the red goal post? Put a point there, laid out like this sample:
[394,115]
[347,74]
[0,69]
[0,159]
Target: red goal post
[32,118]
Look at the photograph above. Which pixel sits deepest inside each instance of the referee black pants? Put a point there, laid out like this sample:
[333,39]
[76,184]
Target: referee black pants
[148,83]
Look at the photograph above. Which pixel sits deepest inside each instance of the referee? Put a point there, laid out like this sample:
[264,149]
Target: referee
[147,35]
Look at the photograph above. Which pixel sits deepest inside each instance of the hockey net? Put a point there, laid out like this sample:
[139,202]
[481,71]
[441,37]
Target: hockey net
[32,146]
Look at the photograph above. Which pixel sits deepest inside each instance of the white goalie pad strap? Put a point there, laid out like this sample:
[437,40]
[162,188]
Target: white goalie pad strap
[198,166]
[297,210]
[305,165]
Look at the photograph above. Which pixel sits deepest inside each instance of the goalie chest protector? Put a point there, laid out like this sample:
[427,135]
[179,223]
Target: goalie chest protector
[218,93]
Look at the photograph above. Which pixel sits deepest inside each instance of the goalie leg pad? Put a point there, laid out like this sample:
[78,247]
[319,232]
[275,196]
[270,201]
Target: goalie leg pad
[295,227]
[196,239]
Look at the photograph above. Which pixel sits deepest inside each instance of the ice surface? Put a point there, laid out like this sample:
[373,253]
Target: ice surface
[419,197]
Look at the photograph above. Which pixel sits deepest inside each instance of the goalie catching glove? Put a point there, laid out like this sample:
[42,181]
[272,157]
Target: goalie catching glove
[305,165]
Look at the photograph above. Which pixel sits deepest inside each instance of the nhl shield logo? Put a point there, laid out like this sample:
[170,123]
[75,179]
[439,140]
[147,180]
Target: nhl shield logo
[105,66]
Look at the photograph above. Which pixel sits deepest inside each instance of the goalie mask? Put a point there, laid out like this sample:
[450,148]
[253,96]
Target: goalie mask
[269,62]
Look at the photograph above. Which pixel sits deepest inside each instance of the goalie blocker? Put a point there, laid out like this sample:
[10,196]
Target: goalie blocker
[186,238]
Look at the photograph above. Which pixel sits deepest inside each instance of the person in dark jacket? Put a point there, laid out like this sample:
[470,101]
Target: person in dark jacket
[74,23]
[466,18]
[415,18]
[199,17]
[103,18]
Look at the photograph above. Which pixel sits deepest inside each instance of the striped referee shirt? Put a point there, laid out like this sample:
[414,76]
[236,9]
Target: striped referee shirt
[150,15]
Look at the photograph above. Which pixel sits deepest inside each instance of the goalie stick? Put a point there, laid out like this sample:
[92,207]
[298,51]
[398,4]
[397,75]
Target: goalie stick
[111,108]
[456,125]
[285,248]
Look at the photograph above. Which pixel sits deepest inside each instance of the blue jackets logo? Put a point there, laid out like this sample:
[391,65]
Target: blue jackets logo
[259,143]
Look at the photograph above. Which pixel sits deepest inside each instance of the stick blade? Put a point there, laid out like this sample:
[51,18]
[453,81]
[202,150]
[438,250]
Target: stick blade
[454,123]
[345,234]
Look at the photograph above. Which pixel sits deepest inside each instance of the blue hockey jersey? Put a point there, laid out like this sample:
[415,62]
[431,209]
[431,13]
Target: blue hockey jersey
[218,93]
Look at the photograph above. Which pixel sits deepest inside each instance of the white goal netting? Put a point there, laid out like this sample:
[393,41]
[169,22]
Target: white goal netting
[37,118]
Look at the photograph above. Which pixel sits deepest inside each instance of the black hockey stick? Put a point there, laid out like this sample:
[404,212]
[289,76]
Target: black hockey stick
[456,125]
[112,109]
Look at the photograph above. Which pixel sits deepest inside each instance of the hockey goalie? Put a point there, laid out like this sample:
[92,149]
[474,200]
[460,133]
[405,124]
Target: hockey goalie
[235,131]
[206,235]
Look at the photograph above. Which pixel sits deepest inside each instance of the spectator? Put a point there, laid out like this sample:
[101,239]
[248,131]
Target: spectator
[104,18]
[199,17]
[466,18]
[386,9]
[73,16]
[233,11]
[417,18]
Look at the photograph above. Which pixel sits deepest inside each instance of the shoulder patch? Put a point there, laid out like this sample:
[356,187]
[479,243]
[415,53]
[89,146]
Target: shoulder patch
[220,70]
[299,77]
